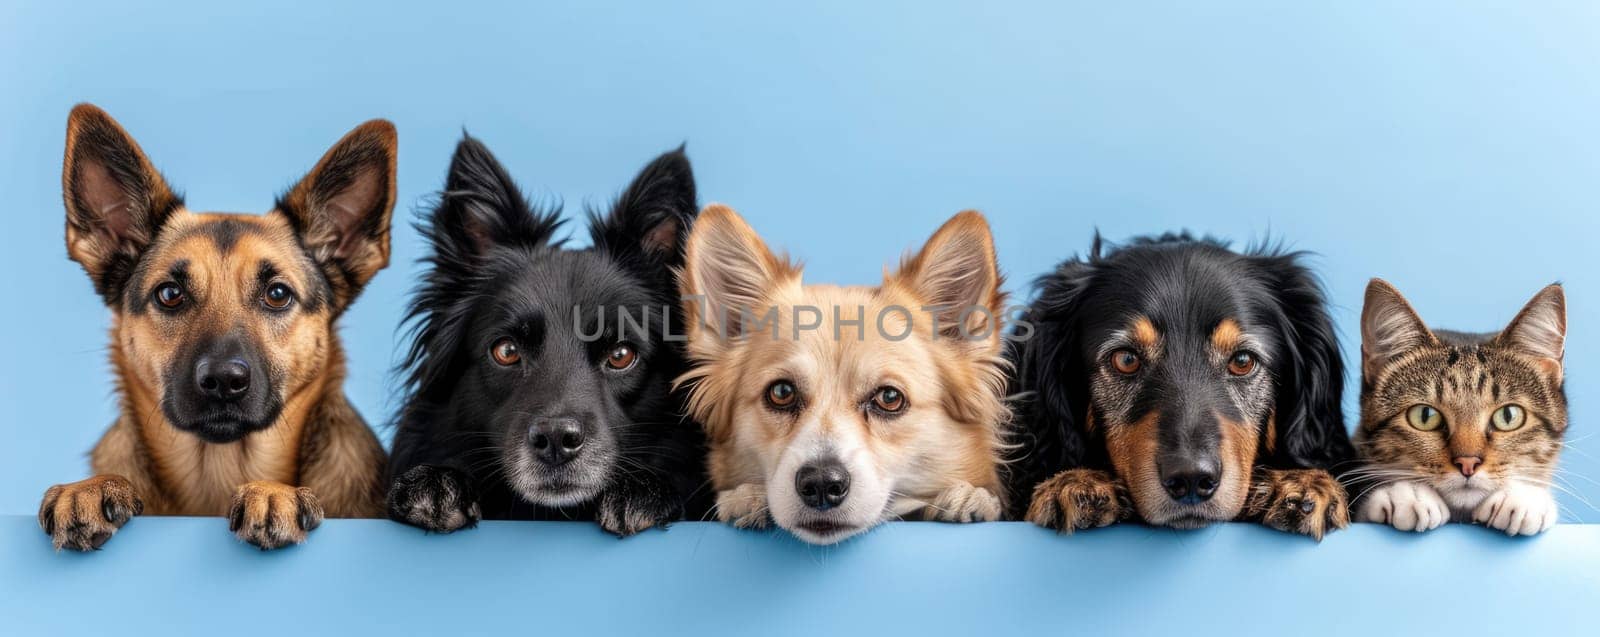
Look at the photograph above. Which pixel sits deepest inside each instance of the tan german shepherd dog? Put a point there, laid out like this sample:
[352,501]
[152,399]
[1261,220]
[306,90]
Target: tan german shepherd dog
[229,370]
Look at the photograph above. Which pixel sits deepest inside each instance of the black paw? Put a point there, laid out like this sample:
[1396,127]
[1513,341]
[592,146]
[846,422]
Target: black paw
[436,499]
[630,507]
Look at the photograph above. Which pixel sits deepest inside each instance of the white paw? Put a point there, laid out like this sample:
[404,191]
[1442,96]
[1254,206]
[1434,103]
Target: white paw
[1408,506]
[1518,510]
[965,503]
[744,507]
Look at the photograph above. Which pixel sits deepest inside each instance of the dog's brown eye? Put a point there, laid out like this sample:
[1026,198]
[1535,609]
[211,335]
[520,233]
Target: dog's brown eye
[1125,361]
[782,394]
[889,399]
[1241,363]
[169,295]
[277,296]
[621,357]
[504,352]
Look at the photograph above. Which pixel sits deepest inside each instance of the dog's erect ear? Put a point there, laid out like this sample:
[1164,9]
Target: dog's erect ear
[341,209]
[1309,412]
[115,199]
[650,221]
[481,207]
[1389,328]
[957,273]
[731,271]
[1540,330]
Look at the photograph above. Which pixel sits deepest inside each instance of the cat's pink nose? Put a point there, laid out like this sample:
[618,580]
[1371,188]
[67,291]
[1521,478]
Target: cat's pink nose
[1468,464]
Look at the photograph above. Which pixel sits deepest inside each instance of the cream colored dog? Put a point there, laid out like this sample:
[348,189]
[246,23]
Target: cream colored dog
[831,409]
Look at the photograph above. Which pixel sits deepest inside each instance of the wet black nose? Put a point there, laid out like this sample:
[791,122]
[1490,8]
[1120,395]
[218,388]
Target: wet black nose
[1191,481]
[556,441]
[822,485]
[225,379]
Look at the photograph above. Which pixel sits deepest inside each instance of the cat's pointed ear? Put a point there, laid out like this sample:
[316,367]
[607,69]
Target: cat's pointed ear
[482,207]
[115,199]
[650,221]
[1389,327]
[1540,329]
[728,273]
[342,207]
[957,272]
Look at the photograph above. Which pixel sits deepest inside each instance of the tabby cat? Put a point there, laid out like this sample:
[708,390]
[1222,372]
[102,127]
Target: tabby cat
[1459,427]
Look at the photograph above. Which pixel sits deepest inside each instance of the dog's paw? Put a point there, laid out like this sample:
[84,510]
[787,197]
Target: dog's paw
[965,503]
[1407,506]
[83,515]
[630,507]
[1079,499]
[273,515]
[744,507]
[436,499]
[1518,509]
[1305,501]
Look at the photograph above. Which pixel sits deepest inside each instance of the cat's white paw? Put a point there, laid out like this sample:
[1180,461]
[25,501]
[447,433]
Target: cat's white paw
[744,507]
[1518,510]
[1408,506]
[965,503]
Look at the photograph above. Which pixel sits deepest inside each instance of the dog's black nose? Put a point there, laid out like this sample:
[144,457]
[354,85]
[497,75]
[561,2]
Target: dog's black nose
[556,440]
[225,379]
[1191,481]
[822,485]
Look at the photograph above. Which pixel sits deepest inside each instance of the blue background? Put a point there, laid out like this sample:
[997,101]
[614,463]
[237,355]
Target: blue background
[186,576]
[1448,146]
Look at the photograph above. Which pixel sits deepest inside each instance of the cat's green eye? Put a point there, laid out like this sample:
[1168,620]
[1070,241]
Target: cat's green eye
[1424,417]
[1508,418]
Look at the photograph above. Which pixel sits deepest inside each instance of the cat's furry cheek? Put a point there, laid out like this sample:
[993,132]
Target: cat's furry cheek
[1519,510]
[1407,506]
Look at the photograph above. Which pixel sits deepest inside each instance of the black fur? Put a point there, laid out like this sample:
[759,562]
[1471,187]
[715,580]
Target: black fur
[498,271]
[1087,296]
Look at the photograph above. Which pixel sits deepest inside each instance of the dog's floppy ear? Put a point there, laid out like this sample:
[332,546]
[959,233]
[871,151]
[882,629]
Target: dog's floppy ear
[115,199]
[649,222]
[729,273]
[957,273]
[1389,328]
[1308,412]
[1540,330]
[1051,382]
[341,209]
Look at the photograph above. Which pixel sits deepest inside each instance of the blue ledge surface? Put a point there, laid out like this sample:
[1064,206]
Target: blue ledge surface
[188,576]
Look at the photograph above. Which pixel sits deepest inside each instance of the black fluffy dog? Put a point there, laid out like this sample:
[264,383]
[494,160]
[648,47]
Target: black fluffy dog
[1181,382]
[540,377]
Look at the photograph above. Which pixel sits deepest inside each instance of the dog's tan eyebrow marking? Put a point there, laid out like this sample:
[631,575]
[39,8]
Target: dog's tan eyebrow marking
[1226,335]
[1144,332]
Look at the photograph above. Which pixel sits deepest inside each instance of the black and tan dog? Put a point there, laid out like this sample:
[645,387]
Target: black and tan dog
[228,367]
[1183,383]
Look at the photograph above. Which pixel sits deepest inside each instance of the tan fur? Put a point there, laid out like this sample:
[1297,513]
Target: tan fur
[949,434]
[1132,450]
[1145,333]
[1079,499]
[1305,501]
[1225,336]
[318,455]
[179,474]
